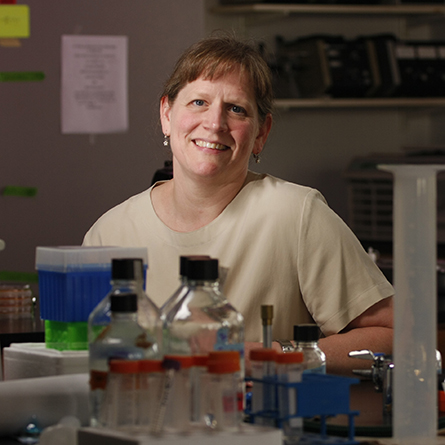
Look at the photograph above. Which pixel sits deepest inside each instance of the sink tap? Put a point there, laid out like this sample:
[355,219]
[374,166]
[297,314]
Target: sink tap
[381,375]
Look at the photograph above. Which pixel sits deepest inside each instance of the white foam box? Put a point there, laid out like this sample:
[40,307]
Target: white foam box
[28,360]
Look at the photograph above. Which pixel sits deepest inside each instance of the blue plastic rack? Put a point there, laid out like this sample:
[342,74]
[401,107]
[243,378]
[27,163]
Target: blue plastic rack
[320,395]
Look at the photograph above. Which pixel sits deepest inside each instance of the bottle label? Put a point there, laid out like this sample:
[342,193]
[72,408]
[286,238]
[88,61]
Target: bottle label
[98,379]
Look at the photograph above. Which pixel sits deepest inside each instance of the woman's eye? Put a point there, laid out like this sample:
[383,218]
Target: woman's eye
[198,102]
[238,110]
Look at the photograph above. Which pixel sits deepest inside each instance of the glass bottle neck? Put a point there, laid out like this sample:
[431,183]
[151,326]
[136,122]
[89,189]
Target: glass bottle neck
[203,283]
[124,316]
[306,344]
[127,284]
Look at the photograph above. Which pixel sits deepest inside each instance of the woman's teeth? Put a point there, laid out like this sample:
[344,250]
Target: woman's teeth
[212,145]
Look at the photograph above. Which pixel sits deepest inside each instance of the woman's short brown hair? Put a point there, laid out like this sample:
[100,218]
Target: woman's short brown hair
[216,56]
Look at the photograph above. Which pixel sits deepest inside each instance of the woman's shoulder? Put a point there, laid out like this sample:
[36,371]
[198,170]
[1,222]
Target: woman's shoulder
[277,188]
[133,205]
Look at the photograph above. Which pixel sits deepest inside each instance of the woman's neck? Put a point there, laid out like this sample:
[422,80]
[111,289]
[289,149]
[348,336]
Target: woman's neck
[185,206]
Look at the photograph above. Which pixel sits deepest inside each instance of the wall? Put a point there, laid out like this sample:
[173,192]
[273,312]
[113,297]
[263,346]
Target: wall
[78,177]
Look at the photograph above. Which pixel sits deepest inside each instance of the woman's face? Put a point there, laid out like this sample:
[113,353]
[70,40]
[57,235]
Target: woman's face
[214,127]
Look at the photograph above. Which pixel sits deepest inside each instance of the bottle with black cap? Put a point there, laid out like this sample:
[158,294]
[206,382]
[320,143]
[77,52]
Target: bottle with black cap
[306,341]
[203,321]
[183,284]
[127,276]
[123,339]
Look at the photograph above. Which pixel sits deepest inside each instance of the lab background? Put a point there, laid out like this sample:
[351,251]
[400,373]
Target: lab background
[80,176]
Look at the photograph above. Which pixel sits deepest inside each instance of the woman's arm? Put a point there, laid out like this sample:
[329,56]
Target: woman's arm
[373,330]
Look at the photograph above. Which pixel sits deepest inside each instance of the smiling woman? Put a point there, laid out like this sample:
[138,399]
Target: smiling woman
[281,243]
[214,128]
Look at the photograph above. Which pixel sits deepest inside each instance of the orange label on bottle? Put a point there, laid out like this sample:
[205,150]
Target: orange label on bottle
[98,380]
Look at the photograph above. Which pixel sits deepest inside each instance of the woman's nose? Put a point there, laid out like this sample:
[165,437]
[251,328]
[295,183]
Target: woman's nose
[216,119]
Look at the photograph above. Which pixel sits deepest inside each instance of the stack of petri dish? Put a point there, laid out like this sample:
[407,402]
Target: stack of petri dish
[16,301]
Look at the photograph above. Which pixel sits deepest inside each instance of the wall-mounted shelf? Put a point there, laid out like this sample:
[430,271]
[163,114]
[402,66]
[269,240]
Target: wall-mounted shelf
[287,9]
[423,102]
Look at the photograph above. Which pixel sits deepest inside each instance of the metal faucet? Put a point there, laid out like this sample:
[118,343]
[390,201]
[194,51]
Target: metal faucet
[381,374]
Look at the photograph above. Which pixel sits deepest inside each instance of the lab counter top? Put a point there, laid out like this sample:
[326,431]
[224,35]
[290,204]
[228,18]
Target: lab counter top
[370,427]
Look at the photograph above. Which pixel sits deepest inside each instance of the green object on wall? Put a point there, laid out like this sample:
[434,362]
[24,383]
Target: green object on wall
[12,190]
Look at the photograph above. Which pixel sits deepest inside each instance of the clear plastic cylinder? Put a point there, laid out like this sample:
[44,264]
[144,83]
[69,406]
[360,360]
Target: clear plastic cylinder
[197,376]
[263,393]
[222,392]
[150,388]
[176,396]
[289,370]
[415,302]
[120,408]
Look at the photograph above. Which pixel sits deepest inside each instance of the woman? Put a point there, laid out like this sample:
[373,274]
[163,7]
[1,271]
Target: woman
[280,241]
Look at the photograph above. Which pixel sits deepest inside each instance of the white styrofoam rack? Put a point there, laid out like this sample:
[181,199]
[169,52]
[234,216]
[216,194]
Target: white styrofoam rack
[28,360]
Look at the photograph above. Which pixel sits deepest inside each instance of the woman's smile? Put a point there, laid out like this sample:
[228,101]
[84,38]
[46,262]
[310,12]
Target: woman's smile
[212,145]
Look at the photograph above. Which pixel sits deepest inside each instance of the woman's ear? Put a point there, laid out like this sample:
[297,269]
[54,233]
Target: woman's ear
[164,111]
[263,134]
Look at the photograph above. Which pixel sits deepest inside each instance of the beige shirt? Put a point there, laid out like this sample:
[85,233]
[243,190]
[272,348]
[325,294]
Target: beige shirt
[282,245]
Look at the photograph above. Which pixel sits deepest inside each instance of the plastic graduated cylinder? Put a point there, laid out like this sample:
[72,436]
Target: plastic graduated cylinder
[222,394]
[120,405]
[289,370]
[175,397]
[415,305]
[151,376]
[263,395]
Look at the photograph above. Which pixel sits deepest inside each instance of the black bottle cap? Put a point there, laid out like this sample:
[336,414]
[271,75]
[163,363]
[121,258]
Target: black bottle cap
[127,269]
[184,259]
[124,303]
[202,269]
[306,332]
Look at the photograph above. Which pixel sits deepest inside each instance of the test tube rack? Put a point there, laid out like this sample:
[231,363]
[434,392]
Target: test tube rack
[320,395]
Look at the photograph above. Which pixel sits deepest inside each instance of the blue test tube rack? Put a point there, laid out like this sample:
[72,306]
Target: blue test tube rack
[320,395]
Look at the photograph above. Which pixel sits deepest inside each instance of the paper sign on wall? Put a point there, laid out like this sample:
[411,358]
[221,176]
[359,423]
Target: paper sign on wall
[14,21]
[94,96]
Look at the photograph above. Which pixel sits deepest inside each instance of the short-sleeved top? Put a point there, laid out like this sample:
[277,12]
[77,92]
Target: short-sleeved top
[281,245]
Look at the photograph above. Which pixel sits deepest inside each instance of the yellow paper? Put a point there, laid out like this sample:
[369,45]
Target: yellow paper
[14,21]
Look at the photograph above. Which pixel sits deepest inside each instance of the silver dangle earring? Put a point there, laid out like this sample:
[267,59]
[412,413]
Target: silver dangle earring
[166,140]
[257,158]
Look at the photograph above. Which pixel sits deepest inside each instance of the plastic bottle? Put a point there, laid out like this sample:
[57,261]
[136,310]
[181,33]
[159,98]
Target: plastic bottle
[263,389]
[123,338]
[127,276]
[306,341]
[222,392]
[203,321]
[289,370]
[120,407]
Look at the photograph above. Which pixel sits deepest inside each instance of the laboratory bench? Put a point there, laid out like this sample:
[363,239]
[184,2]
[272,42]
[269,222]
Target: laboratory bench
[370,427]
